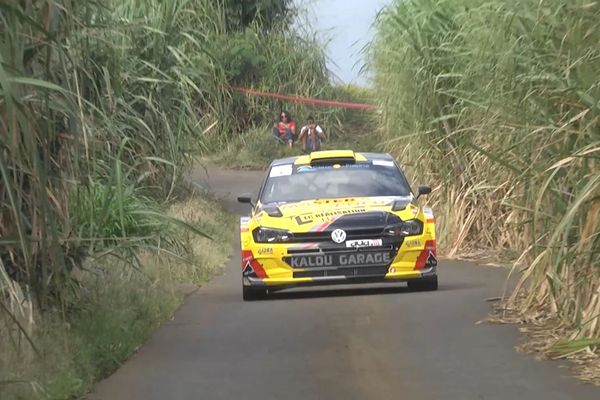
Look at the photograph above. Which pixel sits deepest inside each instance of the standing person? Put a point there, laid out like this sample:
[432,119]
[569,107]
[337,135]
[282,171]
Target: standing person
[311,136]
[285,129]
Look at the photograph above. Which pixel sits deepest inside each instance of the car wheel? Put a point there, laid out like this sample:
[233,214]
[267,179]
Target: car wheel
[249,293]
[424,284]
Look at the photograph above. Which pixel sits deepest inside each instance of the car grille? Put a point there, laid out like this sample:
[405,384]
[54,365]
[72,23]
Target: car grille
[343,249]
[326,236]
[347,272]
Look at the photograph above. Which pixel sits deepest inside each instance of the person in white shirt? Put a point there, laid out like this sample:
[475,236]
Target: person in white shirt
[311,136]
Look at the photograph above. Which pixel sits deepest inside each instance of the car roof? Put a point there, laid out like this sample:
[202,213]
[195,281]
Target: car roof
[331,154]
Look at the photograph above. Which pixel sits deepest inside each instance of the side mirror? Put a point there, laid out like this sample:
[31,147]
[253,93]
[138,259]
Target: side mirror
[245,198]
[423,190]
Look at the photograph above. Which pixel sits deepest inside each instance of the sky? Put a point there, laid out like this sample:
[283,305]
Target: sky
[347,24]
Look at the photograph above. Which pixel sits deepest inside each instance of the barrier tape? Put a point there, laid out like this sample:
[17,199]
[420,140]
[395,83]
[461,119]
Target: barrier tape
[305,100]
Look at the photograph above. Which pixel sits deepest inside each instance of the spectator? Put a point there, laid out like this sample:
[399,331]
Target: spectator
[311,136]
[285,129]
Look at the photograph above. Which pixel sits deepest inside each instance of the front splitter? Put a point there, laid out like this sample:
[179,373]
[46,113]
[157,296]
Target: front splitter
[276,283]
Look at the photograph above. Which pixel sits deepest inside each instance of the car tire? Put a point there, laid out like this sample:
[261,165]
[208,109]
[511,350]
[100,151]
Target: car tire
[250,294]
[424,284]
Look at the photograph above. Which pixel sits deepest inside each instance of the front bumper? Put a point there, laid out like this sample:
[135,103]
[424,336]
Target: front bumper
[310,264]
[337,279]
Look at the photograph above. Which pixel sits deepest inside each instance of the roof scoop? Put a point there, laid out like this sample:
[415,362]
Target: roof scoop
[331,157]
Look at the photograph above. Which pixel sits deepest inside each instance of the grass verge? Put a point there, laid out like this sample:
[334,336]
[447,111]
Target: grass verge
[118,306]
[550,338]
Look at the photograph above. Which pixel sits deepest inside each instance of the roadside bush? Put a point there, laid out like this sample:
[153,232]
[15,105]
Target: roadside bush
[101,106]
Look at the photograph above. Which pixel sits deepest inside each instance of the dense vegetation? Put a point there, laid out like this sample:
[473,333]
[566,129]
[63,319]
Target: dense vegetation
[497,104]
[101,106]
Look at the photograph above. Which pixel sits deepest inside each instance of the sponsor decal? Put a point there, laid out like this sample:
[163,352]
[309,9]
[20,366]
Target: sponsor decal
[304,168]
[244,221]
[304,219]
[428,257]
[428,212]
[265,251]
[413,243]
[315,261]
[365,258]
[290,206]
[431,260]
[281,170]
[248,271]
[338,236]
[316,168]
[383,163]
[340,212]
[341,260]
[250,266]
[364,243]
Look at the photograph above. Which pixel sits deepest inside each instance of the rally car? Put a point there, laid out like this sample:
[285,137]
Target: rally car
[336,217]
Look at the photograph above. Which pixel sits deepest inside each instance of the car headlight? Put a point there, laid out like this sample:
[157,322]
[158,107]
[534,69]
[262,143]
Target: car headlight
[406,228]
[269,235]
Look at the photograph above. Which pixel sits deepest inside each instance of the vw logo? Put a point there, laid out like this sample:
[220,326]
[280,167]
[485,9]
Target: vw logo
[338,236]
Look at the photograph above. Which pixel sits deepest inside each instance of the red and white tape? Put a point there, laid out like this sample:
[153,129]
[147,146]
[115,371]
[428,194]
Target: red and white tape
[305,100]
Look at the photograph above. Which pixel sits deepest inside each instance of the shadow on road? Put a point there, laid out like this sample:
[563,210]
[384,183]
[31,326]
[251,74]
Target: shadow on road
[335,292]
[302,293]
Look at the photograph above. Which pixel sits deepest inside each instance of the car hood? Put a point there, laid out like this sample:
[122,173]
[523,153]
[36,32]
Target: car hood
[308,215]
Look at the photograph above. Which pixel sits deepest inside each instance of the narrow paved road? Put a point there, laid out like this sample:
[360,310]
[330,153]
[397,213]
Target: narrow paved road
[368,342]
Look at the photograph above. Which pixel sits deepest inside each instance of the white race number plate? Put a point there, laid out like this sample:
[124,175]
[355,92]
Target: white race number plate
[364,243]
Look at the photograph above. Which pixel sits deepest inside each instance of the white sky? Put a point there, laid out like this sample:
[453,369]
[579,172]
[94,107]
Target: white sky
[347,23]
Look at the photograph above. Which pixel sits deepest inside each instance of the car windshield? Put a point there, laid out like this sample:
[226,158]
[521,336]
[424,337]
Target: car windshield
[287,183]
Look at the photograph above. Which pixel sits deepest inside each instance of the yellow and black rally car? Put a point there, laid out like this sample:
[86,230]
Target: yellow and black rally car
[336,217]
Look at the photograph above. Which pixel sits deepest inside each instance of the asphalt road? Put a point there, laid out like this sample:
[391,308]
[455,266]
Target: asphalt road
[367,342]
